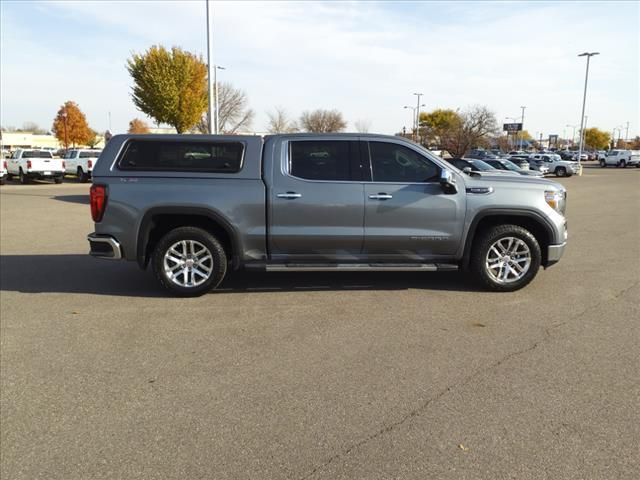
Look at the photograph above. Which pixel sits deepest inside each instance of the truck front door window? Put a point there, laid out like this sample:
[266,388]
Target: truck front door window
[395,163]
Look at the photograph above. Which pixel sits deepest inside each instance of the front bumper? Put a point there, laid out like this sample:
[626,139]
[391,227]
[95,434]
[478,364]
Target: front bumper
[104,246]
[554,253]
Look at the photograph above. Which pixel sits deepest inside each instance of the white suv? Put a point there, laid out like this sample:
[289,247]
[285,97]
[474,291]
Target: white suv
[557,166]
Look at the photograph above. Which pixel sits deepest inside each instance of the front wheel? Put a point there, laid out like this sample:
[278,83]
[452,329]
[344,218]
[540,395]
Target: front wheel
[189,261]
[603,164]
[561,172]
[623,164]
[505,258]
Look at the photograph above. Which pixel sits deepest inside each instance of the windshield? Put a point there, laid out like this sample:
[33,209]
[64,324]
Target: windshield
[480,165]
[511,166]
[36,154]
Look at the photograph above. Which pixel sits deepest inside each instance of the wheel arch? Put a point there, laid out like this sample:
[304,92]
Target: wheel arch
[158,221]
[528,219]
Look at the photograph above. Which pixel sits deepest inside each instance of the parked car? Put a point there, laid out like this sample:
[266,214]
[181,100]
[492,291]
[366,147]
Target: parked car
[521,161]
[468,165]
[3,171]
[193,206]
[621,158]
[80,162]
[40,164]
[566,154]
[507,165]
[602,155]
[555,164]
[480,154]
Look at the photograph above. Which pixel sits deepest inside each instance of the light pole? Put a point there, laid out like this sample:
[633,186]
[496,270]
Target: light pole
[573,134]
[217,107]
[522,127]
[418,116]
[613,137]
[210,75]
[626,135]
[64,118]
[584,101]
[414,116]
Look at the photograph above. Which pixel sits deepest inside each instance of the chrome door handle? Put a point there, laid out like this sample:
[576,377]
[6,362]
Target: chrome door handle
[380,196]
[289,195]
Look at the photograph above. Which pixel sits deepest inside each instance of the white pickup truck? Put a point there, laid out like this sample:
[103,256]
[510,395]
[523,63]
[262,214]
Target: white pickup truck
[3,170]
[621,158]
[555,164]
[80,162]
[27,164]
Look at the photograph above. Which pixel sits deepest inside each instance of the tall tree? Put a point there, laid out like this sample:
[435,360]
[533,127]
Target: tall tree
[596,139]
[362,126]
[93,139]
[322,121]
[279,122]
[70,125]
[138,126]
[170,86]
[234,114]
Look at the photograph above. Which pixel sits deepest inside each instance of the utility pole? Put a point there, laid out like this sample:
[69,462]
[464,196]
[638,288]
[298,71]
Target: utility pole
[211,121]
[584,102]
[522,122]
[217,105]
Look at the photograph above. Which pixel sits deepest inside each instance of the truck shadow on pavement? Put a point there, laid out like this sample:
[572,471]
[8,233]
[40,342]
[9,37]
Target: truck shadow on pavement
[83,274]
[82,199]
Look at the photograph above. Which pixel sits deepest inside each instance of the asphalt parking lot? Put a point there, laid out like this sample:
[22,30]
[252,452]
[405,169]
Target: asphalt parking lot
[320,376]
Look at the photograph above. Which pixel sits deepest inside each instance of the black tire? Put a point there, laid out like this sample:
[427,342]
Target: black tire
[603,164]
[218,263]
[561,172]
[58,180]
[23,178]
[9,177]
[480,251]
[623,164]
[82,177]
[2,181]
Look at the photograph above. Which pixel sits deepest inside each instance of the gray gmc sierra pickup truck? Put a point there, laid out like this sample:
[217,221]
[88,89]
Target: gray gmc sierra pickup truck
[196,205]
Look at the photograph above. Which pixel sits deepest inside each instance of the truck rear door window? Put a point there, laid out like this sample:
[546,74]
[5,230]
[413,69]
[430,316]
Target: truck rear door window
[180,156]
[328,160]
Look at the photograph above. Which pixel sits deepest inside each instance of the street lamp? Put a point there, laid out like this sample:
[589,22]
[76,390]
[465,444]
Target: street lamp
[64,118]
[210,82]
[522,128]
[584,101]
[215,83]
[418,115]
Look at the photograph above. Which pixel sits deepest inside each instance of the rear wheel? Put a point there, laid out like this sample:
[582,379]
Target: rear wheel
[82,177]
[623,164]
[603,164]
[189,261]
[58,179]
[505,258]
[23,178]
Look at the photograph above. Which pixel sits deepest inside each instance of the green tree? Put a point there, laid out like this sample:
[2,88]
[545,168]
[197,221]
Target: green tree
[70,125]
[439,126]
[596,139]
[170,86]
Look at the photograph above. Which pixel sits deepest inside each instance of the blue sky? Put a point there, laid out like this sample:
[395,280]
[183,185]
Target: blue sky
[363,58]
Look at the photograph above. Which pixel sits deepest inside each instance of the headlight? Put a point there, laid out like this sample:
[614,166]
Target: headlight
[556,199]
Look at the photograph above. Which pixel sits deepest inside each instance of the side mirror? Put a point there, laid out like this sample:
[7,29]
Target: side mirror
[447,182]
[467,170]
